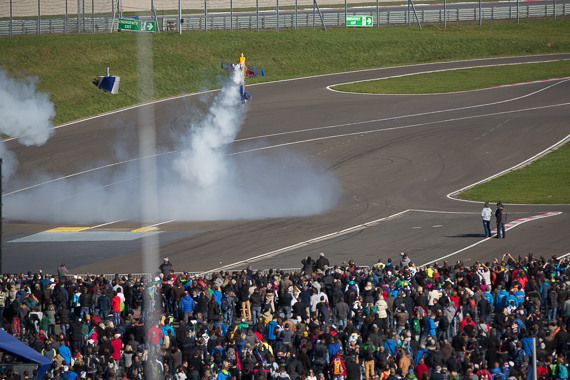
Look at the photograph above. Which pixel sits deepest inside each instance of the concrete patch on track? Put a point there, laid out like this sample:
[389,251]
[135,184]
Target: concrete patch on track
[57,236]
[46,250]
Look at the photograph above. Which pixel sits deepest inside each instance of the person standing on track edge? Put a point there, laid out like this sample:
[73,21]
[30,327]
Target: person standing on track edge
[486,215]
[165,267]
[501,216]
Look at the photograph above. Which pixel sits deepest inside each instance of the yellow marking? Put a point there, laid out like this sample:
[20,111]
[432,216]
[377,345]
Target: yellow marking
[68,229]
[145,229]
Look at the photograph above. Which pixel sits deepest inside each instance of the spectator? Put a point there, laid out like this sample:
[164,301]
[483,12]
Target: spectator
[486,214]
[165,267]
[501,218]
[382,317]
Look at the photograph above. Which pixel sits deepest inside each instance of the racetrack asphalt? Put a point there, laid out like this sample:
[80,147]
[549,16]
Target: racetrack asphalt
[397,157]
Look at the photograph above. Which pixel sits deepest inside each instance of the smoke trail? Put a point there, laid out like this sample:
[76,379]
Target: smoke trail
[199,182]
[26,115]
[250,186]
[204,145]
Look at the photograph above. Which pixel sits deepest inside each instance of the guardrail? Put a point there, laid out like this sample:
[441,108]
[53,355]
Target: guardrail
[468,12]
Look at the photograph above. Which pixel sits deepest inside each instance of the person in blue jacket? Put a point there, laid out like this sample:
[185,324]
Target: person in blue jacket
[519,293]
[270,328]
[501,299]
[65,352]
[431,324]
[390,345]
[512,297]
[187,306]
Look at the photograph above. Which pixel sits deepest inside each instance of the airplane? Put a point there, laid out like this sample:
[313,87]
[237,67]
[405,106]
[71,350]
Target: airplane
[248,72]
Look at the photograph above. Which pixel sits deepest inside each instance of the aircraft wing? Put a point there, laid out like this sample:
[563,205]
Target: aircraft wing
[227,66]
[252,72]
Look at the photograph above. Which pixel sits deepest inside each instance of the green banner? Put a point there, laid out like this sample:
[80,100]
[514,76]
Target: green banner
[358,20]
[136,25]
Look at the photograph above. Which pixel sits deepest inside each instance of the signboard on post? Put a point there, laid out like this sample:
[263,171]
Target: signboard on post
[358,20]
[136,25]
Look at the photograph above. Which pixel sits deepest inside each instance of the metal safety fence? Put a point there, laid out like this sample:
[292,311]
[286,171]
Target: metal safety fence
[102,17]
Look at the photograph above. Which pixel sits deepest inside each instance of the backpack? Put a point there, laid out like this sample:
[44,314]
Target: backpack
[484,375]
[562,371]
[232,332]
[280,350]
[320,361]
[420,311]
[154,369]
[350,295]
[416,328]
[76,300]
[277,330]
[60,297]
[369,352]
[231,354]
[91,363]
[484,328]
[15,305]
[225,304]
[337,366]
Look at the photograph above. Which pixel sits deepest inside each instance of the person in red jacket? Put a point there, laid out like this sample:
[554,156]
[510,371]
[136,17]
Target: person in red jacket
[154,337]
[116,308]
[118,347]
[338,366]
[467,321]
[421,368]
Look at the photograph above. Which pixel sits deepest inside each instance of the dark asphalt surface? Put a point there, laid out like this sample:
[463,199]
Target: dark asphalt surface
[391,154]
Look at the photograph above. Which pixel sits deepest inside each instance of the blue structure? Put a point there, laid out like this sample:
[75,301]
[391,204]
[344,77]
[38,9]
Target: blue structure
[15,347]
[109,83]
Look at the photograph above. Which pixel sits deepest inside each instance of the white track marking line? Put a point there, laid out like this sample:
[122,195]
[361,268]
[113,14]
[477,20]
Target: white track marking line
[411,115]
[310,241]
[107,224]
[440,71]
[83,172]
[161,223]
[521,221]
[400,127]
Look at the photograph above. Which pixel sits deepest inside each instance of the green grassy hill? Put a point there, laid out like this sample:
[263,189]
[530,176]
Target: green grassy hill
[66,65]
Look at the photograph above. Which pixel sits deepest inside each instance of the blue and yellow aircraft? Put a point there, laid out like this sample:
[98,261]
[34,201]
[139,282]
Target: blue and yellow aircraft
[248,72]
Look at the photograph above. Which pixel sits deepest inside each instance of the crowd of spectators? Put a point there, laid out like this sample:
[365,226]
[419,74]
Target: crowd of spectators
[391,321]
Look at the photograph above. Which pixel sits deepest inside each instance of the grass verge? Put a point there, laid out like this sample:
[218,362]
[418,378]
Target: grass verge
[545,181]
[461,80]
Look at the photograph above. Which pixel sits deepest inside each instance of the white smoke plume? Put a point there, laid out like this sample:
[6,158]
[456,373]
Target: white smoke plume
[200,181]
[203,146]
[25,114]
